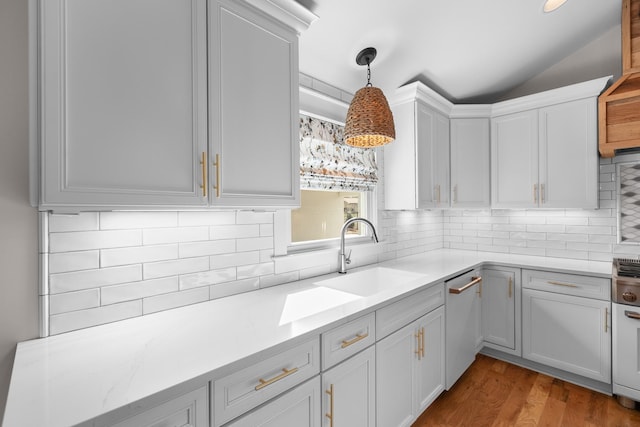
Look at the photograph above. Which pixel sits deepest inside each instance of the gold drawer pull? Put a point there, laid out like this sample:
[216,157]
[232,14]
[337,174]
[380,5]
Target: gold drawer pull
[285,373]
[632,314]
[204,185]
[473,281]
[358,337]
[217,166]
[330,413]
[568,285]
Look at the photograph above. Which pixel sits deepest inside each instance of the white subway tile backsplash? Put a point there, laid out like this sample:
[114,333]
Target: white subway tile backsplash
[174,300]
[158,236]
[206,278]
[87,240]
[154,270]
[250,217]
[234,259]
[135,220]
[79,319]
[190,219]
[234,231]
[137,255]
[213,247]
[248,271]
[253,244]
[278,279]
[138,290]
[86,221]
[72,301]
[87,279]
[73,261]
[266,230]
[232,288]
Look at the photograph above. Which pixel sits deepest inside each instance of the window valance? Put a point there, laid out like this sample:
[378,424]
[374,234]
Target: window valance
[327,163]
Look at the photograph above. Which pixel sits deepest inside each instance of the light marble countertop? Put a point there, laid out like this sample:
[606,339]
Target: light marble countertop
[74,377]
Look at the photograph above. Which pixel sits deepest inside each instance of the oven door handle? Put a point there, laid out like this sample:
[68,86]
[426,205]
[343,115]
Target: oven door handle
[473,281]
[632,314]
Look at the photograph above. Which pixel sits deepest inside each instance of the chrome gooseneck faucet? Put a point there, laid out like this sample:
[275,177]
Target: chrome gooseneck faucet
[344,258]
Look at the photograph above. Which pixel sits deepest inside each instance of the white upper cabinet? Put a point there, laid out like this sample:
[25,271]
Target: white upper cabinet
[122,91]
[416,164]
[514,160]
[470,173]
[253,109]
[124,116]
[544,149]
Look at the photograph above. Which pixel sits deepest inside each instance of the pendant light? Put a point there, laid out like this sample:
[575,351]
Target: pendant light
[369,120]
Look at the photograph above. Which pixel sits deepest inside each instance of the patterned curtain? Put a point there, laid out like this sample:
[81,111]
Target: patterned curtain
[327,163]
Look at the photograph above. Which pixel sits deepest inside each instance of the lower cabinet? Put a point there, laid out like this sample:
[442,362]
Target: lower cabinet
[500,309]
[410,370]
[349,396]
[567,332]
[190,410]
[299,407]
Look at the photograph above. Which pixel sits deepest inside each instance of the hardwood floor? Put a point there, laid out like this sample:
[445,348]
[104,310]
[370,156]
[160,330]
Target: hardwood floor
[496,393]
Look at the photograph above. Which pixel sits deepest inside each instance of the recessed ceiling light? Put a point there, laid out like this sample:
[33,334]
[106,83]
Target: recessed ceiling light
[551,5]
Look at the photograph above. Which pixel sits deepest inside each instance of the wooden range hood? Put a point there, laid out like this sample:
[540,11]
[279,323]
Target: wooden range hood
[619,106]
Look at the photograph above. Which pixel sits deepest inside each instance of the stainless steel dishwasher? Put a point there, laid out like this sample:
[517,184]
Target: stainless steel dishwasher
[462,309]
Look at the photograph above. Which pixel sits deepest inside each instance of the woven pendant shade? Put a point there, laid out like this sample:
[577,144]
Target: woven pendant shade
[369,120]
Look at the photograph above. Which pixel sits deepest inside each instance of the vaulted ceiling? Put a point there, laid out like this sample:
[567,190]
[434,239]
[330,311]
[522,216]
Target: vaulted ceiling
[467,50]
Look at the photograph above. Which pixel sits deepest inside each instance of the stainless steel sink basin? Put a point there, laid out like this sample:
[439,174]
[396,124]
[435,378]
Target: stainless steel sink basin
[372,281]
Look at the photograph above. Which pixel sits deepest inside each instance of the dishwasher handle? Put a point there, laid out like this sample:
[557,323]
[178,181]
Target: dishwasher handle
[474,281]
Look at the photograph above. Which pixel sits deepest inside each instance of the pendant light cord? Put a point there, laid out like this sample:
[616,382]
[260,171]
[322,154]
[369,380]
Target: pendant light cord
[369,74]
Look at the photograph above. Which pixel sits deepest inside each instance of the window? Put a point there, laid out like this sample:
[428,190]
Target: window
[337,183]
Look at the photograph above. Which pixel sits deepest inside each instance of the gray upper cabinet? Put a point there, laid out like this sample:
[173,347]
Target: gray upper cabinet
[137,99]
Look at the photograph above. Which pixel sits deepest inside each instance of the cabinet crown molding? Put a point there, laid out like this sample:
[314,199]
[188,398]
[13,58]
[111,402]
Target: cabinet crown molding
[554,96]
[419,91]
[468,111]
[289,12]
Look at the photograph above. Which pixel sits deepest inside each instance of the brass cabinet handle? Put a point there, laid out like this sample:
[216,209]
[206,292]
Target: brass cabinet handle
[473,281]
[203,163]
[422,341]
[541,193]
[217,166]
[285,373]
[455,193]
[568,285]
[330,413]
[358,337]
[510,286]
[606,319]
[632,314]
[535,193]
[417,351]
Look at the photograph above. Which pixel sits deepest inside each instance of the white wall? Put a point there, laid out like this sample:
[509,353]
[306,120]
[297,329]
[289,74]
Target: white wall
[18,221]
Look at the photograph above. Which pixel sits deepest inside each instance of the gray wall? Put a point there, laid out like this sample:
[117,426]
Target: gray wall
[18,220]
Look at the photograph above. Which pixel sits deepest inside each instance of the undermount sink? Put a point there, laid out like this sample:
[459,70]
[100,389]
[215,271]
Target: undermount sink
[370,282]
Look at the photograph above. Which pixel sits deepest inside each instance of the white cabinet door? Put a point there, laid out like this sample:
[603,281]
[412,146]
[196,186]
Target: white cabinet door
[299,407]
[569,155]
[123,107]
[349,396]
[430,372]
[470,154]
[440,161]
[395,359]
[190,410]
[626,347]
[567,332]
[514,160]
[416,164]
[462,307]
[500,297]
[253,99]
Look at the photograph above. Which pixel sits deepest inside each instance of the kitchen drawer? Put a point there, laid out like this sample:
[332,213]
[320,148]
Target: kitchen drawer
[348,339]
[568,284]
[245,389]
[393,317]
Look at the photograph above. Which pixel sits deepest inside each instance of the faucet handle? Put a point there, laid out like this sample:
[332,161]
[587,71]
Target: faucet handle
[347,259]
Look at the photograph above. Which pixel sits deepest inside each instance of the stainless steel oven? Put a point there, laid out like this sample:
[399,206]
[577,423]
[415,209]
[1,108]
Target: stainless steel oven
[625,295]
